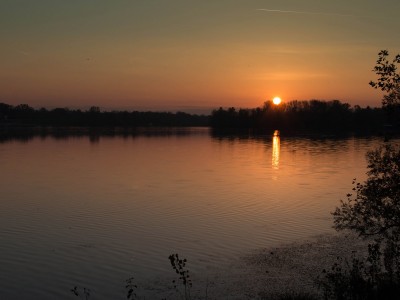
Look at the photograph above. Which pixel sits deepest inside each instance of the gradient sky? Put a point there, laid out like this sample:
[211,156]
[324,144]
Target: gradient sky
[159,54]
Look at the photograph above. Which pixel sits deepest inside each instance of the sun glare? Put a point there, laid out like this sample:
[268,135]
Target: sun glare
[277,100]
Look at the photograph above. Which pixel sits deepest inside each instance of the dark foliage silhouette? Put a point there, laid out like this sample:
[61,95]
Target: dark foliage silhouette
[313,115]
[291,116]
[179,266]
[81,292]
[131,287]
[388,78]
[25,115]
[389,82]
[372,210]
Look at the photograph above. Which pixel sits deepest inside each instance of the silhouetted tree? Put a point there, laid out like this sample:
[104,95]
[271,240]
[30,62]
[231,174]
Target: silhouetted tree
[389,82]
[5,110]
[374,209]
[388,78]
[24,114]
[314,115]
[94,109]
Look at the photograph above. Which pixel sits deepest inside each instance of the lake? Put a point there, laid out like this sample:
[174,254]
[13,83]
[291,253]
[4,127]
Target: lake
[94,211]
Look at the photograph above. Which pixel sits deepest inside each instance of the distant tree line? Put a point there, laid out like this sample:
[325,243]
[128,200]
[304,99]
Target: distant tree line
[23,114]
[312,115]
[315,115]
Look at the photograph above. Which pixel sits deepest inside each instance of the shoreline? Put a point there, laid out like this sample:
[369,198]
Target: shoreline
[295,267]
[268,273]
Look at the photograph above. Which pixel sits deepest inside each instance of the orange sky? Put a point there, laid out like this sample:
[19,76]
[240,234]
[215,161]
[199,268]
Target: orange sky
[166,55]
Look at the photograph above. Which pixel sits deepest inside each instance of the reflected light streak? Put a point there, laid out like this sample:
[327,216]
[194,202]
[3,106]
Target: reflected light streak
[276,147]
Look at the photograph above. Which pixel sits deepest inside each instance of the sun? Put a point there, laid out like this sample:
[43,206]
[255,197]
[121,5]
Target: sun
[277,100]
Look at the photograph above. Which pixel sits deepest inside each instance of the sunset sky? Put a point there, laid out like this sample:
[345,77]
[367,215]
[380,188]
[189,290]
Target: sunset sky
[167,55]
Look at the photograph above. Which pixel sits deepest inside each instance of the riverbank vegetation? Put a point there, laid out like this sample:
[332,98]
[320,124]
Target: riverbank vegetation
[25,115]
[372,211]
[313,115]
[293,116]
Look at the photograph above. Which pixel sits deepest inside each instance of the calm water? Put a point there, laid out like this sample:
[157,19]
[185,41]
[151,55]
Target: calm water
[94,212]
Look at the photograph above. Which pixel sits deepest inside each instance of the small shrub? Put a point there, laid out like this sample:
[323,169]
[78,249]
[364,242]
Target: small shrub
[131,287]
[179,265]
[81,292]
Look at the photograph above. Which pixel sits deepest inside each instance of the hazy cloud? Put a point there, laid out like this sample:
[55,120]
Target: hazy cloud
[304,12]
[287,76]
[24,53]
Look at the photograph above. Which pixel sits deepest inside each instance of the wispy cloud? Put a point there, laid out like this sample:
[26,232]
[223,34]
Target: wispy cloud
[24,53]
[304,12]
[288,76]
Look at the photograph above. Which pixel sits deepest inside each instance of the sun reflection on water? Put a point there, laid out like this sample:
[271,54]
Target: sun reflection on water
[276,147]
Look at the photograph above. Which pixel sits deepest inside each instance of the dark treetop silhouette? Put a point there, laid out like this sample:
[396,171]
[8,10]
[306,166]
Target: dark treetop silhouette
[313,115]
[293,116]
[25,115]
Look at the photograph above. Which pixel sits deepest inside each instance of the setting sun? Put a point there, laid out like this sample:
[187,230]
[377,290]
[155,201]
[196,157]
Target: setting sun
[277,100]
